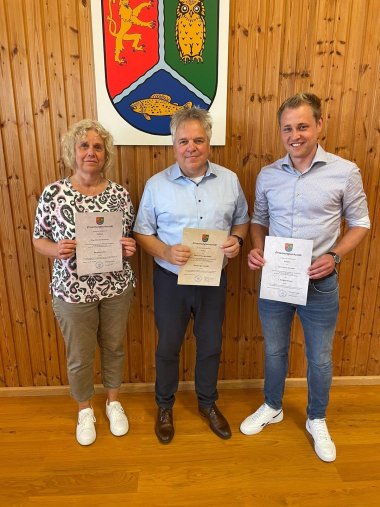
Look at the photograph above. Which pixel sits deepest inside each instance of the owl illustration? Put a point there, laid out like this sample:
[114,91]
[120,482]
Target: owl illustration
[190,30]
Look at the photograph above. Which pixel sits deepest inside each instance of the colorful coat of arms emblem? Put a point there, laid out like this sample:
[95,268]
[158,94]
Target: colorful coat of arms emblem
[160,56]
[288,247]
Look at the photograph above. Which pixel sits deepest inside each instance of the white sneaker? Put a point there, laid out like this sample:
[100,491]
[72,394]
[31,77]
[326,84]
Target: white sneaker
[263,416]
[118,420]
[86,433]
[323,445]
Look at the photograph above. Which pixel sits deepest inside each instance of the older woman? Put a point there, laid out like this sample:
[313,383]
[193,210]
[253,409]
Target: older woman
[92,308]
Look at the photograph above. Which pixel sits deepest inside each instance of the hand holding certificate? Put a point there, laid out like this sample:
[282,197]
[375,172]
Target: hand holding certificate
[98,242]
[284,274]
[205,264]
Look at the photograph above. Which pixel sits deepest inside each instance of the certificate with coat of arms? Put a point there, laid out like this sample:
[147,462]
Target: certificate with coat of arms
[98,242]
[206,261]
[284,274]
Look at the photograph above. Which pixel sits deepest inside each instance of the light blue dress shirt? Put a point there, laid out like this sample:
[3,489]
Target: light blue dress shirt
[172,201]
[311,205]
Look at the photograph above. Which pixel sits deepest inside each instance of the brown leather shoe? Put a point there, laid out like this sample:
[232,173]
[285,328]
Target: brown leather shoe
[218,423]
[164,425]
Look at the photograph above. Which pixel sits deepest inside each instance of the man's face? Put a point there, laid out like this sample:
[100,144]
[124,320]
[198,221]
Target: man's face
[299,133]
[191,148]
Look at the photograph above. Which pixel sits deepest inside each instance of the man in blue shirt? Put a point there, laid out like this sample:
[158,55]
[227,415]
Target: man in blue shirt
[305,195]
[193,193]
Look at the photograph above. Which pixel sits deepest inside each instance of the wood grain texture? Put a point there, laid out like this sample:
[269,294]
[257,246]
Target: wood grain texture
[276,47]
[42,465]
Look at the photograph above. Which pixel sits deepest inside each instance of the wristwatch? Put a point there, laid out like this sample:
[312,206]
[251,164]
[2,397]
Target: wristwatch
[240,240]
[335,257]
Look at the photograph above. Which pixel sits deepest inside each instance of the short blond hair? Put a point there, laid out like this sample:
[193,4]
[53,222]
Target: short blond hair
[77,132]
[300,99]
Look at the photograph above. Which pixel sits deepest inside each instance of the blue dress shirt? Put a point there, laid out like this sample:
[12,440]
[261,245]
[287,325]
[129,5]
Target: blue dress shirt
[172,201]
[311,205]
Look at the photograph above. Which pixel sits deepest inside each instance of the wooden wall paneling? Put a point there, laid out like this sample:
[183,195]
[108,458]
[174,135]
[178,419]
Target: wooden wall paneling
[43,163]
[373,361]
[351,52]
[22,68]
[86,59]
[134,371]
[7,347]
[277,47]
[257,95]
[255,31]
[266,147]
[367,142]
[16,229]
[338,31]
[339,22]
[143,164]
[134,358]
[232,158]
[55,78]
[2,372]
[368,148]
[71,59]
[323,64]
[290,49]
[8,369]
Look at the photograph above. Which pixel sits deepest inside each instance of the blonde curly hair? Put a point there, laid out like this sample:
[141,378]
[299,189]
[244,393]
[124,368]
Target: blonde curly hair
[77,132]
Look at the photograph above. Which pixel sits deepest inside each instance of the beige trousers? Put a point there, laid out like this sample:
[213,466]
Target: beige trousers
[83,326]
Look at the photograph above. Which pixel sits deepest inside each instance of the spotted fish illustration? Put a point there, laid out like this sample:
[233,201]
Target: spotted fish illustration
[158,104]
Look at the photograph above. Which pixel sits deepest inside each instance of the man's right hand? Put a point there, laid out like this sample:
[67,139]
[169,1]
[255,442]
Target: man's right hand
[177,254]
[255,259]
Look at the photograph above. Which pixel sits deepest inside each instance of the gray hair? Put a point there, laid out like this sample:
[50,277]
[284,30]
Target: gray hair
[77,132]
[189,114]
[299,99]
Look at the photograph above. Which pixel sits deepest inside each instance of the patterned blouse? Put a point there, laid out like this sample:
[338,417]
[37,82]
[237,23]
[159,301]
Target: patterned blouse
[55,221]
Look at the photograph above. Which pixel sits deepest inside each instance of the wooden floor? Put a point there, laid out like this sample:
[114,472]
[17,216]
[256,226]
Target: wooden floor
[42,465]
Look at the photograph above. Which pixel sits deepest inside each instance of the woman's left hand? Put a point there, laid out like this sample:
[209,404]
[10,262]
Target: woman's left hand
[129,246]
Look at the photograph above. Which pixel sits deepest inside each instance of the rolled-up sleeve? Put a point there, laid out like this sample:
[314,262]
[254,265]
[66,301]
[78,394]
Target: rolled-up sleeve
[260,209]
[355,209]
[241,215]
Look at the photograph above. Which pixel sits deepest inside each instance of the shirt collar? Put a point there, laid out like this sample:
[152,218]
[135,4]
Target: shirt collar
[320,157]
[176,173]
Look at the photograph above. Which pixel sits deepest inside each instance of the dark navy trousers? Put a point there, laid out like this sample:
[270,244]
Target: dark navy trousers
[174,305]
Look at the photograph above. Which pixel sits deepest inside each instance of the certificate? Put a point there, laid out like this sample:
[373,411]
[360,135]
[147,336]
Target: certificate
[98,242]
[284,274]
[206,261]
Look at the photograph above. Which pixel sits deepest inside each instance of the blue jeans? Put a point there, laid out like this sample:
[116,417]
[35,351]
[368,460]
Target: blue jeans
[318,318]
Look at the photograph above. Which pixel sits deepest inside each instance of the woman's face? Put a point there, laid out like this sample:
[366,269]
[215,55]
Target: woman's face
[90,153]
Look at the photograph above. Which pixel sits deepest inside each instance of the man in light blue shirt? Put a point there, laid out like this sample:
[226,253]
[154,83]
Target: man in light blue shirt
[193,193]
[305,195]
